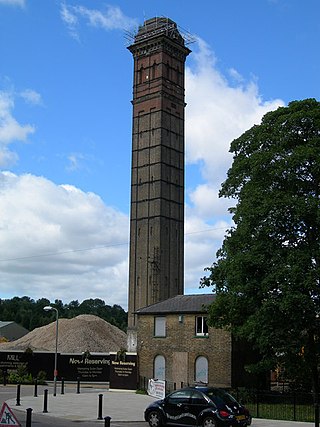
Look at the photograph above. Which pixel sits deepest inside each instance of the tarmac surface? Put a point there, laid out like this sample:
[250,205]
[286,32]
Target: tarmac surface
[121,406]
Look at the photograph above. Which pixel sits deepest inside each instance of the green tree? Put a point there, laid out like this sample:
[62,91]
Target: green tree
[266,277]
[30,314]
[18,309]
[92,306]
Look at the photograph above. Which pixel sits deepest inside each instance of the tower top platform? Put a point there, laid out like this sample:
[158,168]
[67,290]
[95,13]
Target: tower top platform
[155,27]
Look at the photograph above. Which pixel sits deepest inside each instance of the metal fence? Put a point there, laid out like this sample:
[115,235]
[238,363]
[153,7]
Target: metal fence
[290,406]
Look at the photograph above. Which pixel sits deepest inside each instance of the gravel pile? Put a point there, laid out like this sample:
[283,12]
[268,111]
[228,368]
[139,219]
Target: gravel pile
[82,333]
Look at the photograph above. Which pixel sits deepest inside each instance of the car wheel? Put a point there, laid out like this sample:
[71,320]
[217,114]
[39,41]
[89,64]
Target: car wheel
[154,419]
[209,422]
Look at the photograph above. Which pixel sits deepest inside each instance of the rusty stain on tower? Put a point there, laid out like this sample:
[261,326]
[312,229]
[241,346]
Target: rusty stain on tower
[156,260]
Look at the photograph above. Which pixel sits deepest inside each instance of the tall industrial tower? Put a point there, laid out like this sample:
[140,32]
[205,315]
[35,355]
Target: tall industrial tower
[156,266]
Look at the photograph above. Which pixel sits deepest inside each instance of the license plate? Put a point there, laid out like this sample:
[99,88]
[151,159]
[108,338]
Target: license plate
[240,417]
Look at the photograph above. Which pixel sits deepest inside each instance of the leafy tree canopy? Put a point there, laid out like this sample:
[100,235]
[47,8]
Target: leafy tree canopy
[266,276]
[30,313]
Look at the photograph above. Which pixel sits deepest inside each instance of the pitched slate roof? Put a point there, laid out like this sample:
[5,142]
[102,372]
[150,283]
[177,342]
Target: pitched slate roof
[12,330]
[180,304]
[3,324]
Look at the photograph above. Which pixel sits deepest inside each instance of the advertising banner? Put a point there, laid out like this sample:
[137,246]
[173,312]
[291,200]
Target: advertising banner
[34,362]
[157,388]
[12,360]
[123,371]
[86,367]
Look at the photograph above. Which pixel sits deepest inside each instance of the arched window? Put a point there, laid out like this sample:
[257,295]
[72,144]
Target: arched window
[159,367]
[201,370]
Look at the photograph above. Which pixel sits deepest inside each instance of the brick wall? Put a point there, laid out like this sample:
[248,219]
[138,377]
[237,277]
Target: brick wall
[181,347]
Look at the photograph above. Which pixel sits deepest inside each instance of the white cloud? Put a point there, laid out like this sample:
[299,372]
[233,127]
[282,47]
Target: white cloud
[112,18]
[204,201]
[218,111]
[201,244]
[70,19]
[31,97]
[59,242]
[7,157]
[10,129]
[236,76]
[75,162]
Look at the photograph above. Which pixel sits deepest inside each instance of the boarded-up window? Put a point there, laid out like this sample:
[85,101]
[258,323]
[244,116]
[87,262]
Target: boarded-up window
[159,326]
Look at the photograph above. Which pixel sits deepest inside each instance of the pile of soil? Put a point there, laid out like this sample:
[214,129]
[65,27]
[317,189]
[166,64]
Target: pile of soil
[82,333]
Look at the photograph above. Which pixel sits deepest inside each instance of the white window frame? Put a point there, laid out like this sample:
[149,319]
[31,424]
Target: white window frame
[201,326]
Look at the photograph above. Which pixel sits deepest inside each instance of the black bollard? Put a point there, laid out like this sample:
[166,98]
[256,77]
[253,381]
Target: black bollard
[107,421]
[18,394]
[45,401]
[100,407]
[35,388]
[62,385]
[4,374]
[28,419]
[78,385]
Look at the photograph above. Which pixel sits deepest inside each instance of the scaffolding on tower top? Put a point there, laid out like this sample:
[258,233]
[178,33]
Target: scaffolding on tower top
[157,26]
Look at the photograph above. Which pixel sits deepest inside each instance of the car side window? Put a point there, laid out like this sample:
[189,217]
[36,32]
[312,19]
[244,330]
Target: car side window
[181,396]
[198,399]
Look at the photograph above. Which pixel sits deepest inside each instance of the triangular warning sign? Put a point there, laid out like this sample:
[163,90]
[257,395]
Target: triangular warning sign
[7,417]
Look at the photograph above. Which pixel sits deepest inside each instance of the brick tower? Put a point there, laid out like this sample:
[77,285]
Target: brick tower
[156,266]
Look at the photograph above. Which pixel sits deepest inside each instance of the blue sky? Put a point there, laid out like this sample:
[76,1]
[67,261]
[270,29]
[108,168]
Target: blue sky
[65,128]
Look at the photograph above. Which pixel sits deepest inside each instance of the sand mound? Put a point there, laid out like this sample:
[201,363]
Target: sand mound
[82,333]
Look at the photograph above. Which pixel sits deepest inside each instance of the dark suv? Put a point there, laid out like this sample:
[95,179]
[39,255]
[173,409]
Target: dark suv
[198,406]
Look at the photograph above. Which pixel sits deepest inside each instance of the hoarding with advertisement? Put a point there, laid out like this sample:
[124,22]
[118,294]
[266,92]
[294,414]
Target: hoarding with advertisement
[157,388]
[123,371]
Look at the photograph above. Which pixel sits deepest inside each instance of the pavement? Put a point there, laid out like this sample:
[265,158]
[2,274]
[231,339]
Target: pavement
[121,406]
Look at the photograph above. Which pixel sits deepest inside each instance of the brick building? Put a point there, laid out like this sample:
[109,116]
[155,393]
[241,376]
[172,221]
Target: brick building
[175,344]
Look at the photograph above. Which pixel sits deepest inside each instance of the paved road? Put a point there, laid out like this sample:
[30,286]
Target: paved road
[125,408]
